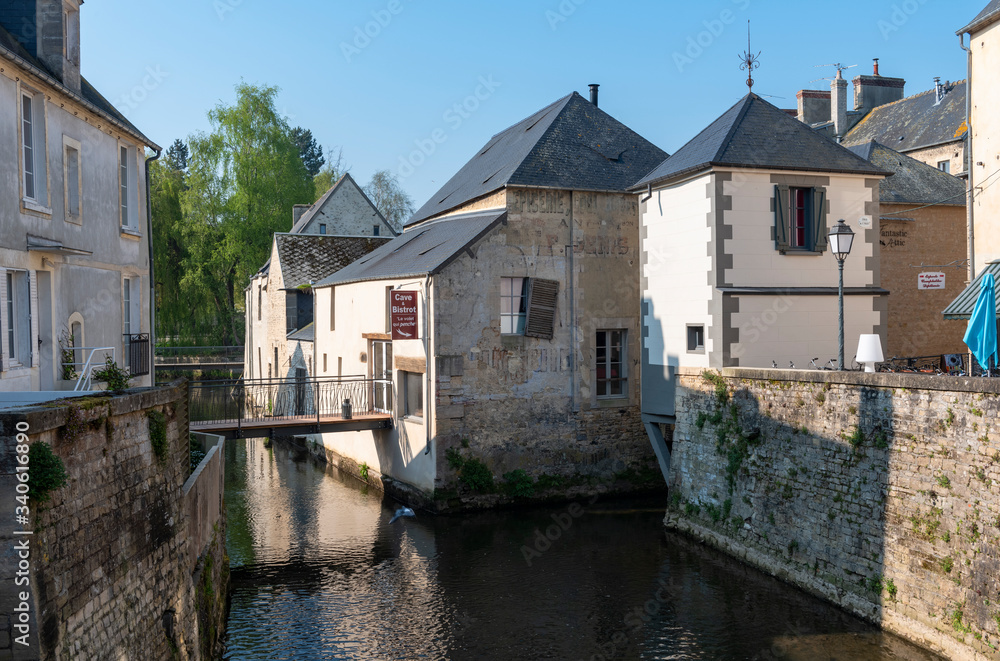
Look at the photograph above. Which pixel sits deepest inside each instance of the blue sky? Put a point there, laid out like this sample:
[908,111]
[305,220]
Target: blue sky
[383,78]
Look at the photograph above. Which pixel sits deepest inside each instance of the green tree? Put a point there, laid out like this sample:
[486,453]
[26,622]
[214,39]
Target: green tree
[177,155]
[243,179]
[389,198]
[309,150]
[173,309]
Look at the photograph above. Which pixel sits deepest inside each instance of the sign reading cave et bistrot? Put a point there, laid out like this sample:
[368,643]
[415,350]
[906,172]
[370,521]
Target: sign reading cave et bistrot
[403,312]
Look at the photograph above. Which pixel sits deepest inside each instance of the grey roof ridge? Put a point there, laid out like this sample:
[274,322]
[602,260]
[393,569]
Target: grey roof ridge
[332,236]
[541,111]
[981,19]
[746,101]
[501,218]
[51,80]
[455,216]
[897,102]
[693,168]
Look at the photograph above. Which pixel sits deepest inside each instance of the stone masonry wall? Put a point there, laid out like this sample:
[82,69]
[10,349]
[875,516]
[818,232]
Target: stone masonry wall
[878,492]
[110,554]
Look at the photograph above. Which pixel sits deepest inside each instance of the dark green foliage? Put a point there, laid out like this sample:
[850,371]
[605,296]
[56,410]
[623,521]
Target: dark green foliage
[721,392]
[116,377]
[309,150]
[47,472]
[197,454]
[476,475]
[158,433]
[455,460]
[546,481]
[519,484]
[177,155]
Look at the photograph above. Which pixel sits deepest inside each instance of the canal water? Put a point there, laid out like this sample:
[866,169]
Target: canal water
[318,572]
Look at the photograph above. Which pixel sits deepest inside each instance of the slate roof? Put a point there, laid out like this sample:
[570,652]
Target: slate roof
[305,257]
[570,144]
[305,334]
[314,209]
[915,122]
[88,95]
[965,303]
[913,181]
[988,15]
[420,251]
[755,134]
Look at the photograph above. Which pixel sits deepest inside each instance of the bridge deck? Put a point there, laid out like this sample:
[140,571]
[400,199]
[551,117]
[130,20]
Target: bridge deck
[293,425]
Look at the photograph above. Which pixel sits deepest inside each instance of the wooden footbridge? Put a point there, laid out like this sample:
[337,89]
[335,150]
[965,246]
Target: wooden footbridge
[243,408]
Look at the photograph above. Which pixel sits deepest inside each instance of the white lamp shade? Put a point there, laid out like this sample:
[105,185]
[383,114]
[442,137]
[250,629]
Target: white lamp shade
[870,351]
[840,238]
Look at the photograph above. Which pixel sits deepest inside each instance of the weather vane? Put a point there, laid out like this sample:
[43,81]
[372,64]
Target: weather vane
[749,60]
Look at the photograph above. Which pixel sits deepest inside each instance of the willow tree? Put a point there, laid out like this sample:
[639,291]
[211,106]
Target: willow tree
[243,178]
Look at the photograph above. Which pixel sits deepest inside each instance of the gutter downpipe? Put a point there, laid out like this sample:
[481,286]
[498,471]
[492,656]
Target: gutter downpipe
[970,190]
[152,282]
[428,347]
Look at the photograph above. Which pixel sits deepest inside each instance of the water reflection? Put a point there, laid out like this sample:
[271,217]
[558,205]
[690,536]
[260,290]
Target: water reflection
[319,574]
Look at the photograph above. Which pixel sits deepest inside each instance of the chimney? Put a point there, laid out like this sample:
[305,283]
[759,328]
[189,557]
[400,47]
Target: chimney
[298,210]
[876,90]
[939,90]
[838,105]
[814,106]
[58,40]
[593,93]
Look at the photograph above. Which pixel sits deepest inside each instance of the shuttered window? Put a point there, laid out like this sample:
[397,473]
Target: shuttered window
[541,308]
[528,307]
[799,219]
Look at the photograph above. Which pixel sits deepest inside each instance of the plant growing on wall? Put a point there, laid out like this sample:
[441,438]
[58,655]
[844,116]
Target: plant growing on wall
[47,472]
[67,355]
[116,377]
[158,433]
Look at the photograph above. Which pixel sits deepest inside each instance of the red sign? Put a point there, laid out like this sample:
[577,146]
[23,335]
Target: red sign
[403,311]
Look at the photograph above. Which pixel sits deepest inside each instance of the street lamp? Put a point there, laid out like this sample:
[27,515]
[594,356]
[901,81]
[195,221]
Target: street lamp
[841,237]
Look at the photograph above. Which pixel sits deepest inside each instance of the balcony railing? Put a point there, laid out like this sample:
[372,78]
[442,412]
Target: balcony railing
[137,353]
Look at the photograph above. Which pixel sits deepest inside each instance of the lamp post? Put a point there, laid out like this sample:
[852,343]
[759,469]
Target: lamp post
[841,237]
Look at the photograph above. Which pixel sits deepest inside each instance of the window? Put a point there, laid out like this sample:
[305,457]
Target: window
[528,307]
[944,166]
[696,339]
[123,185]
[127,189]
[72,184]
[18,332]
[333,308]
[375,230]
[127,304]
[611,378]
[800,219]
[322,228]
[324,363]
[259,298]
[388,309]
[513,306]
[413,394]
[33,148]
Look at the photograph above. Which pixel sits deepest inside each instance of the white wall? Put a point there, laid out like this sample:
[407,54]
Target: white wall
[986,143]
[676,245]
[360,309]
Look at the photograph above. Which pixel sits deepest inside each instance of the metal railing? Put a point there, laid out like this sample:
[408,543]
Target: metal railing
[262,400]
[137,353]
[87,367]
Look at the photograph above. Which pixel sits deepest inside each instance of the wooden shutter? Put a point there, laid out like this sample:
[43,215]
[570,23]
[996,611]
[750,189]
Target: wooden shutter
[780,217]
[541,318]
[819,219]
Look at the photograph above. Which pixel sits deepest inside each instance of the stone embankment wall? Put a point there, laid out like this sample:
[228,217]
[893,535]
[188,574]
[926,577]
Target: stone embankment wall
[115,574]
[878,492]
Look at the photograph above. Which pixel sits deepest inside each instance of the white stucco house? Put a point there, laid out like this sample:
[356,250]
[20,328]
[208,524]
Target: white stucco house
[736,269]
[74,227]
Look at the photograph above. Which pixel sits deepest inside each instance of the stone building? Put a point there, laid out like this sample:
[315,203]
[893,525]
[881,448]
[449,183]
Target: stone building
[929,126]
[74,227]
[735,266]
[524,270]
[340,227]
[922,240]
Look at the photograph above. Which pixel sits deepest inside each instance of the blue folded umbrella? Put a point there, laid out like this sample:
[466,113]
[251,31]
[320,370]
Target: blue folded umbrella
[981,335]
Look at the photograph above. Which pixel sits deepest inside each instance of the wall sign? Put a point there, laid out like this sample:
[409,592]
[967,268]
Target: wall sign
[930,280]
[403,313]
[865,222]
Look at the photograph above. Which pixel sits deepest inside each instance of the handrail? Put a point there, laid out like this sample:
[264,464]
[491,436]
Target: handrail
[84,381]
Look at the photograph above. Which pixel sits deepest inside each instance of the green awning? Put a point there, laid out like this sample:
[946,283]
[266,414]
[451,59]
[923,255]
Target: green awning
[961,307]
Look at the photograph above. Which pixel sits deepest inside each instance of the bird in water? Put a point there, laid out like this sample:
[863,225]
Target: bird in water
[401,512]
